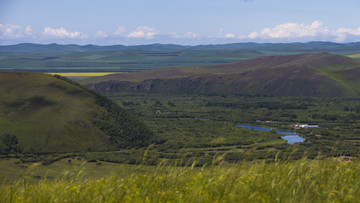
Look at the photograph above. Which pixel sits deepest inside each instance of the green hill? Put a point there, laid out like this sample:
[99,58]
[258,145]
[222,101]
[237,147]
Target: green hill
[310,47]
[117,58]
[44,113]
[325,75]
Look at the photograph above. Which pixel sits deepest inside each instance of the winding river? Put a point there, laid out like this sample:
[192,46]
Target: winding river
[291,137]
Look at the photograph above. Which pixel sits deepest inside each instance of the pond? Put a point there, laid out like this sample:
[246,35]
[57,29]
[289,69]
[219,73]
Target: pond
[291,137]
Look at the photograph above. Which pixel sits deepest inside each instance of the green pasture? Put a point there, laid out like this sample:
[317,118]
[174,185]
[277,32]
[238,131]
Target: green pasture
[329,180]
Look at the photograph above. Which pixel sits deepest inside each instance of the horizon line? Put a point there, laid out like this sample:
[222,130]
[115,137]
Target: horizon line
[214,44]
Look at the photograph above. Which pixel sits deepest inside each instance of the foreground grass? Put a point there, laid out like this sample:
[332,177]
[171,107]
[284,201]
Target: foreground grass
[299,181]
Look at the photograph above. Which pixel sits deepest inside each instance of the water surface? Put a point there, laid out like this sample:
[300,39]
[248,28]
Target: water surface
[291,137]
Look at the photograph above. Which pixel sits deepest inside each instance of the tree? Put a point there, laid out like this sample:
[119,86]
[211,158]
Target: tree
[11,143]
[158,103]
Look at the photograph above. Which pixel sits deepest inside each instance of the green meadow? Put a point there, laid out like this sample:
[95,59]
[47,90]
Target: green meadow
[74,58]
[62,142]
[330,180]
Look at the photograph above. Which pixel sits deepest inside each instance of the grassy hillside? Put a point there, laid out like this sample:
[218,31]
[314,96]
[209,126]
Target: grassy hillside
[299,181]
[324,74]
[45,113]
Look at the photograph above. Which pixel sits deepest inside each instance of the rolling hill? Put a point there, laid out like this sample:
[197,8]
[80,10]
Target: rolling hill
[55,58]
[43,113]
[315,46]
[322,74]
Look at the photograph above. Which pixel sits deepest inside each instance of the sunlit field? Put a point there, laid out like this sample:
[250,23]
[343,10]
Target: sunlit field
[79,74]
[354,56]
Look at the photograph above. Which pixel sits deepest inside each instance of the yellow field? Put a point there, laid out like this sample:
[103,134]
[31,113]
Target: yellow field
[91,74]
[354,56]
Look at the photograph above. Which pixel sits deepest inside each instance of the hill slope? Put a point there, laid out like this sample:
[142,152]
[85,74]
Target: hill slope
[323,74]
[45,113]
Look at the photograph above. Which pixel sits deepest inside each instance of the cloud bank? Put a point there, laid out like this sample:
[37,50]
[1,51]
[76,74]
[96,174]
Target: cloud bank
[119,31]
[62,33]
[143,32]
[302,32]
[287,32]
[14,31]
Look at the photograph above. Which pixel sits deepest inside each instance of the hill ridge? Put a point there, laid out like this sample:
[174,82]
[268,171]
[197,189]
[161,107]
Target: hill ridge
[58,48]
[318,75]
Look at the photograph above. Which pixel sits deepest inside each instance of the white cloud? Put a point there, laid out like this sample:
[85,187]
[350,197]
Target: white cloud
[221,35]
[343,34]
[186,35]
[291,30]
[143,32]
[303,32]
[190,35]
[119,31]
[62,33]
[101,34]
[14,31]
[229,35]
[287,32]
[28,30]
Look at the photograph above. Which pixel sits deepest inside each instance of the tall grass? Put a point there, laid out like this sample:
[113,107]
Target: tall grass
[298,181]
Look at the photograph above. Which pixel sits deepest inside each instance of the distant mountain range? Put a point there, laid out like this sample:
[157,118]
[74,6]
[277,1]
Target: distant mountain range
[323,75]
[299,47]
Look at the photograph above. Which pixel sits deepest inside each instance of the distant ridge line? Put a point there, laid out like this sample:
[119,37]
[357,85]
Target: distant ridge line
[58,48]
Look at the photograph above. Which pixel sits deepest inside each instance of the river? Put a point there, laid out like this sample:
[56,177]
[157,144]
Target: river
[291,137]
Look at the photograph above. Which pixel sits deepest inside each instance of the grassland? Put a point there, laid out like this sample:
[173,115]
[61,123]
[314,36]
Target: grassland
[354,56]
[203,126]
[82,74]
[280,181]
[319,75]
[199,126]
[41,113]
[201,155]
[113,61]
[90,58]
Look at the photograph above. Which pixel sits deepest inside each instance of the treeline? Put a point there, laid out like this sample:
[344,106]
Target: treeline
[267,105]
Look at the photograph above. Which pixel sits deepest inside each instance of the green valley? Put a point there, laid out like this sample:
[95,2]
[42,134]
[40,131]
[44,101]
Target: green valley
[187,112]
[164,127]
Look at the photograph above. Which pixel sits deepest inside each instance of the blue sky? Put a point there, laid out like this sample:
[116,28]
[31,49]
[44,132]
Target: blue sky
[187,22]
